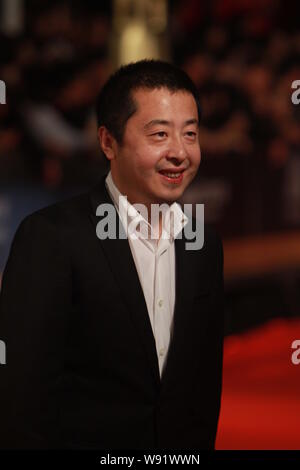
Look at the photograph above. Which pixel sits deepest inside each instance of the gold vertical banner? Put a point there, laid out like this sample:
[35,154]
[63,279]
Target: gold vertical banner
[139,30]
[12,16]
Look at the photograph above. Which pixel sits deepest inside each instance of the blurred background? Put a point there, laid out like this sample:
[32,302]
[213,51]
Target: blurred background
[243,56]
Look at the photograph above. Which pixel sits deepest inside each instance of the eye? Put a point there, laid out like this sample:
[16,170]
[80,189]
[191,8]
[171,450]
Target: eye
[191,134]
[160,134]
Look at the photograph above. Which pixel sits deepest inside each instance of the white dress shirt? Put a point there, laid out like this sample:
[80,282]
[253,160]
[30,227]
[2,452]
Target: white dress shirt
[155,263]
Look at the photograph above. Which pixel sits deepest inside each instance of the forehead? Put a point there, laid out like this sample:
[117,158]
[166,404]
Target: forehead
[161,102]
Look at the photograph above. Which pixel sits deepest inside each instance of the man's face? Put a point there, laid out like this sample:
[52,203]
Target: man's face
[160,137]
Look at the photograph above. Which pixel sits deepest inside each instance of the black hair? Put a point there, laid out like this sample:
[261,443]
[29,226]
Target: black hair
[115,103]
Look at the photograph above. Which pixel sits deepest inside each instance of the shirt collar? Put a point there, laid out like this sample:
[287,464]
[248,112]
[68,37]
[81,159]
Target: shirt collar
[174,218]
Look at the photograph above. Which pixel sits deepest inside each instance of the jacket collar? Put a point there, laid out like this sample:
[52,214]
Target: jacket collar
[174,218]
[118,254]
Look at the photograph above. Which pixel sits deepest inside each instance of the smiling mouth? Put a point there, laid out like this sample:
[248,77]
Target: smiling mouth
[172,173]
[174,177]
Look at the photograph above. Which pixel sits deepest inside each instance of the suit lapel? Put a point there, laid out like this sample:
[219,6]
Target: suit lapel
[118,254]
[183,325]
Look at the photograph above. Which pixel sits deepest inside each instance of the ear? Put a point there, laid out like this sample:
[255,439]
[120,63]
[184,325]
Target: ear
[107,143]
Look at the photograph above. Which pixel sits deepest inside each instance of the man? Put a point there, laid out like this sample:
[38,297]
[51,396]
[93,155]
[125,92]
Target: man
[116,343]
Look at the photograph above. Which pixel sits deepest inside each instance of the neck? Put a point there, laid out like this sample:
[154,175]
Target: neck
[132,199]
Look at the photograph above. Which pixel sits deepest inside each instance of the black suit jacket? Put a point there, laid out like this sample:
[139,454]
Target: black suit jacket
[82,368]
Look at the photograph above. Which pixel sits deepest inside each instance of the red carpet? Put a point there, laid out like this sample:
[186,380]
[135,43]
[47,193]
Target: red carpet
[261,389]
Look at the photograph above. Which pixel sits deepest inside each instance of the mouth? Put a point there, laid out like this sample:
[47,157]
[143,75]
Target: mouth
[172,176]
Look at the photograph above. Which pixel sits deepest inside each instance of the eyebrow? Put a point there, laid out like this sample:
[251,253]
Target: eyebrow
[168,123]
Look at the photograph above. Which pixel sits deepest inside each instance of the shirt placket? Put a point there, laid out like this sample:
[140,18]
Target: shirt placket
[160,305]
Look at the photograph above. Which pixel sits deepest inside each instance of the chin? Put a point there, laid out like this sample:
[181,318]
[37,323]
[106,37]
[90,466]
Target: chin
[171,197]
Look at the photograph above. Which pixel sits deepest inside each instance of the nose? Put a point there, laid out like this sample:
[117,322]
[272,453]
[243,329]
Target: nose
[177,150]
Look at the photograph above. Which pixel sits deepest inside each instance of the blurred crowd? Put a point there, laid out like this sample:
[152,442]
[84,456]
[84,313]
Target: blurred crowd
[53,72]
[243,56]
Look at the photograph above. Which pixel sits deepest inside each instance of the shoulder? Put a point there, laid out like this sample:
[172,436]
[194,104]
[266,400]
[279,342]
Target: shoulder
[209,239]
[54,225]
[61,214]
[212,236]
[214,243]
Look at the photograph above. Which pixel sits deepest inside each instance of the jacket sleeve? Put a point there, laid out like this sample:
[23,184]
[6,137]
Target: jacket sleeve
[216,336]
[34,304]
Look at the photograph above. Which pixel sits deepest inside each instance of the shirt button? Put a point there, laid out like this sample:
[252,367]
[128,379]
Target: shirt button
[160,303]
[162,352]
